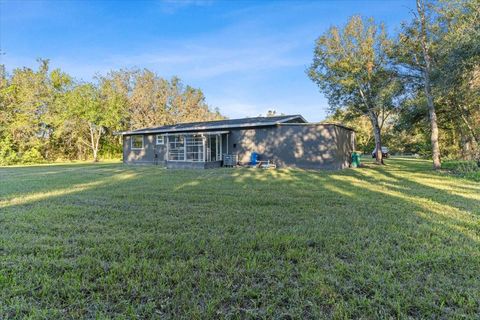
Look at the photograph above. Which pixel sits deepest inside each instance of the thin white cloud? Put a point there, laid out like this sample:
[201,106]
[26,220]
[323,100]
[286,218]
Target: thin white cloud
[236,65]
[206,61]
[233,49]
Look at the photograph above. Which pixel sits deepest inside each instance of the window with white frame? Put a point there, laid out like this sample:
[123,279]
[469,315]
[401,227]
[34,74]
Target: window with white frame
[176,148]
[160,139]
[137,142]
[194,145]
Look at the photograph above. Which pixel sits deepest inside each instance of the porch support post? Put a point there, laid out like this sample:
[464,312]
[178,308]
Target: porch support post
[220,143]
[204,149]
[167,154]
[184,147]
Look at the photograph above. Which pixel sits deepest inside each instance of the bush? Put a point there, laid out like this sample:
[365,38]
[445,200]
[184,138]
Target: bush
[461,167]
[473,176]
[7,154]
[466,169]
[111,151]
[32,156]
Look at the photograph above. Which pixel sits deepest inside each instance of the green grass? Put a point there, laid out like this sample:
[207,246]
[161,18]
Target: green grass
[115,241]
[466,169]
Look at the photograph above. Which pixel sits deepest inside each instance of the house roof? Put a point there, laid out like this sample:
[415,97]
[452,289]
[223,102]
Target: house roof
[323,123]
[219,124]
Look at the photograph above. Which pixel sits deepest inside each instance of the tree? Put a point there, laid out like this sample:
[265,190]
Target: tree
[25,98]
[114,92]
[414,53]
[46,115]
[272,113]
[364,140]
[425,41]
[187,104]
[437,54]
[156,101]
[93,115]
[351,66]
[458,68]
[148,100]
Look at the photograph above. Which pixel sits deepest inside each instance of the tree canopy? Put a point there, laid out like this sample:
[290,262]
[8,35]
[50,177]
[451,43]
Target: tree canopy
[352,68]
[46,115]
[416,91]
[426,78]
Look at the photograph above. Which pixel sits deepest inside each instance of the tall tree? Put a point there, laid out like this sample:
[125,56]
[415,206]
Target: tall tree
[157,101]
[148,100]
[46,115]
[25,98]
[425,42]
[415,53]
[458,72]
[351,66]
[94,115]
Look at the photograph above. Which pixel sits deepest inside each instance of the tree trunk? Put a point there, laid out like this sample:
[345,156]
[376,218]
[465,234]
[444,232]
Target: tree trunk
[475,148]
[427,87]
[97,144]
[471,130]
[95,141]
[378,137]
[95,157]
[433,124]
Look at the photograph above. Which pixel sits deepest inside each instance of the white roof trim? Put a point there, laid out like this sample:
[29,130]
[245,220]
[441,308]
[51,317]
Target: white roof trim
[252,124]
[208,133]
[318,124]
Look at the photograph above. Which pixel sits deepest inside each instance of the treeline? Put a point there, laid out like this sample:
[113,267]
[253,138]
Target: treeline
[415,92]
[46,115]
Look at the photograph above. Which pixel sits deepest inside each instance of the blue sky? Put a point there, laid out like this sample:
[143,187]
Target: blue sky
[247,56]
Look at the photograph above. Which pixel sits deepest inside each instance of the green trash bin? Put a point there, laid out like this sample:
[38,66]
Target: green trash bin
[355,160]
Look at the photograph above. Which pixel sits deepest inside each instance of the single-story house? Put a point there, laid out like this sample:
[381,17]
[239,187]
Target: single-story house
[287,141]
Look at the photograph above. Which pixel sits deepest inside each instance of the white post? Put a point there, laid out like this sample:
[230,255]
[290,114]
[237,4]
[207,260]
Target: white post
[220,143]
[204,149]
[168,150]
[184,148]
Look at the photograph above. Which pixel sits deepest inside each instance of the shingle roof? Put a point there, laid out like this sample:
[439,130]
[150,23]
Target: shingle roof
[219,124]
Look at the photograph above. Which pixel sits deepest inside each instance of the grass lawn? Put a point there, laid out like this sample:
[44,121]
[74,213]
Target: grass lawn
[108,240]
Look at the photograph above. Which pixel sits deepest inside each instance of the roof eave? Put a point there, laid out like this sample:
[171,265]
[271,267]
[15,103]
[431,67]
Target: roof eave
[245,125]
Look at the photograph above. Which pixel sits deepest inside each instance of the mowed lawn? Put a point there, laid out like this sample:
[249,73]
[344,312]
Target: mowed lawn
[116,241]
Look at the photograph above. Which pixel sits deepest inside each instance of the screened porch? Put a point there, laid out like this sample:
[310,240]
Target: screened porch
[194,147]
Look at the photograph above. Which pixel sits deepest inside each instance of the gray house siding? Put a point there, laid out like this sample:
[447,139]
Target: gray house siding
[316,146]
[295,145]
[145,155]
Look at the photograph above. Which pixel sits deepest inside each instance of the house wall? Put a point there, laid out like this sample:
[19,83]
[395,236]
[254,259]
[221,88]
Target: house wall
[288,145]
[292,145]
[145,155]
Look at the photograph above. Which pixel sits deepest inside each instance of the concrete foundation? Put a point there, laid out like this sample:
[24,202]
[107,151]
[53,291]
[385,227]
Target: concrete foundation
[193,165]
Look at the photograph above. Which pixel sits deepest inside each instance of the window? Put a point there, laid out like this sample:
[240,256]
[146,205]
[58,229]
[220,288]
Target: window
[194,148]
[137,142]
[160,139]
[176,148]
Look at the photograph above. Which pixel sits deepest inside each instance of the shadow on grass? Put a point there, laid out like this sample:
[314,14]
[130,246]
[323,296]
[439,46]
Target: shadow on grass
[389,241]
[416,190]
